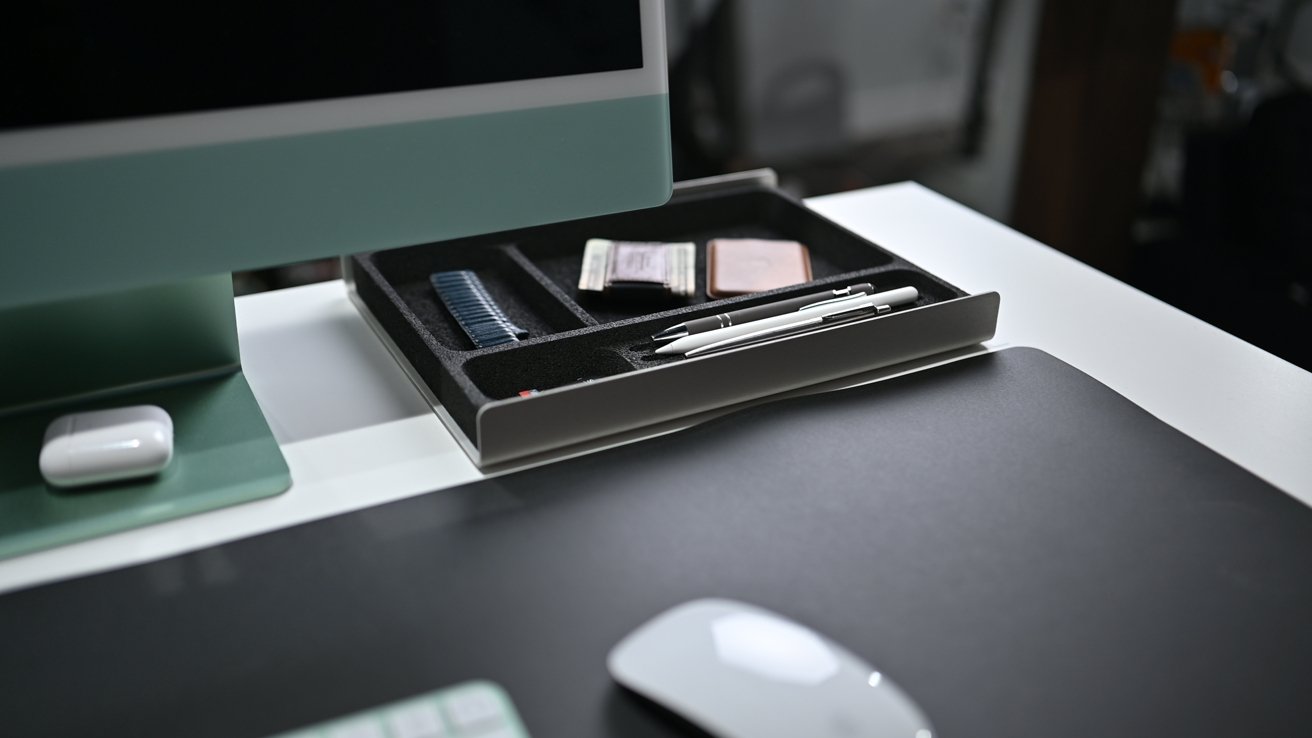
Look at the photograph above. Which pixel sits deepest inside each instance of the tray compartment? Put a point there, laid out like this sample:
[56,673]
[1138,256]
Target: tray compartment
[633,339]
[543,366]
[558,250]
[526,300]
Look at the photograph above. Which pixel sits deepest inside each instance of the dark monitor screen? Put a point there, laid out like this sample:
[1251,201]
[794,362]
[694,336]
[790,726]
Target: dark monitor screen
[75,61]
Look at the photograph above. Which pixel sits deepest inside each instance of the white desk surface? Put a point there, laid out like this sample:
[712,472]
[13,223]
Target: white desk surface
[356,433]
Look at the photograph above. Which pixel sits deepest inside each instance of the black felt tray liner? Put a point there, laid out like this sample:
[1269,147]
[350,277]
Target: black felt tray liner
[533,274]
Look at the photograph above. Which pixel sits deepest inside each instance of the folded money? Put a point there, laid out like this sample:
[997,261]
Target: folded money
[639,268]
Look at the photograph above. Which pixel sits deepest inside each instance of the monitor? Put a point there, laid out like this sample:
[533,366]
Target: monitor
[143,141]
[149,149]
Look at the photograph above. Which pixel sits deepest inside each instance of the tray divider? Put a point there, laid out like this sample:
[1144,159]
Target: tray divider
[526,264]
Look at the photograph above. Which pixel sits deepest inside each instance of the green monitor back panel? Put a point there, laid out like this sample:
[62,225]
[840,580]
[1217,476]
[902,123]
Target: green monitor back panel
[144,154]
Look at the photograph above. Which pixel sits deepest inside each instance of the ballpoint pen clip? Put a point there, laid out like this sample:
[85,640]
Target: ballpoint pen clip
[856,311]
[837,298]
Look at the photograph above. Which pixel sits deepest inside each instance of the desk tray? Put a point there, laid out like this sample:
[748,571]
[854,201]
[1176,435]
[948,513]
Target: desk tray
[591,358]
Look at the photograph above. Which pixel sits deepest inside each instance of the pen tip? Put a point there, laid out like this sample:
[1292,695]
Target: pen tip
[670,334]
[666,350]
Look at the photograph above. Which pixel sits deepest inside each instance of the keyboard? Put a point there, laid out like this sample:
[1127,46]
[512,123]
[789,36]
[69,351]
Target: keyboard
[477,709]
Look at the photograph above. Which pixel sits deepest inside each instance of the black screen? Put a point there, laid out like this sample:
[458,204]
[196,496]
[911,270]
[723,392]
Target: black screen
[69,61]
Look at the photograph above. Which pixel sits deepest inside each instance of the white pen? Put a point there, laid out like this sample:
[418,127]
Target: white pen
[683,345]
[806,325]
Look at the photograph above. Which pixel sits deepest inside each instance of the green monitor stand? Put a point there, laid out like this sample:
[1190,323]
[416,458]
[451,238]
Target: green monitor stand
[172,345]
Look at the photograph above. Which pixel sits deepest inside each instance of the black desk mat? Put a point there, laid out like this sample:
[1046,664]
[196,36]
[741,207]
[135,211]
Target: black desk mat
[1025,551]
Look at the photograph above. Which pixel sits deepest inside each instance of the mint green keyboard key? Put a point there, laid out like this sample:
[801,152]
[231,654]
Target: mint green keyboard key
[478,709]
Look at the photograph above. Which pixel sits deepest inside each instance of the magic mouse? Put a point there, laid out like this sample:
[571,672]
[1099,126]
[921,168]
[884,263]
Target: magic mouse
[740,671]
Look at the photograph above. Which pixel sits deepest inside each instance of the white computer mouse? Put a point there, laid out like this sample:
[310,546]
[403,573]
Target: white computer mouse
[740,671]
